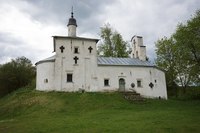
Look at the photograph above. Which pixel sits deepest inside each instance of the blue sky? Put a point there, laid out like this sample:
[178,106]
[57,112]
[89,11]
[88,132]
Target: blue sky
[27,26]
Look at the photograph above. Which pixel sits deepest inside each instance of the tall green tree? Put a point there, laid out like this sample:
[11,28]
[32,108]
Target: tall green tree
[187,38]
[15,74]
[180,54]
[113,44]
[166,58]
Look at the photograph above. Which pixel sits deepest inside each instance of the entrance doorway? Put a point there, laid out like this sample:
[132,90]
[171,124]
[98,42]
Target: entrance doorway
[121,85]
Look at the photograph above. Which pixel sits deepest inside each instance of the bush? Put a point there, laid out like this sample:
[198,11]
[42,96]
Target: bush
[16,74]
[178,93]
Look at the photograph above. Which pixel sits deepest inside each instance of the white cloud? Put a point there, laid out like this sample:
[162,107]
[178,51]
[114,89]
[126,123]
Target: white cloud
[152,19]
[26,27]
[35,36]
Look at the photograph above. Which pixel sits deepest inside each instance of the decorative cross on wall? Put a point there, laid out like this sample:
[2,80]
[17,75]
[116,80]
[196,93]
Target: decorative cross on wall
[62,49]
[151,85]
[75,59]
[90,49]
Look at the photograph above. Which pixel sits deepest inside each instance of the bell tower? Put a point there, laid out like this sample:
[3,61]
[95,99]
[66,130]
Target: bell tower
[138,49]
[72,25]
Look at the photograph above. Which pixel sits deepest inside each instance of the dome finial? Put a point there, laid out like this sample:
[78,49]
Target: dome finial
[72,25]
[72,20]
[72,14]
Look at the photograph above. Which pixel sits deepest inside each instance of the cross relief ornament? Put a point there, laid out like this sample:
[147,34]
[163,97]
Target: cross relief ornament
[151,85]
[62,49]
[90,49]
[75,59]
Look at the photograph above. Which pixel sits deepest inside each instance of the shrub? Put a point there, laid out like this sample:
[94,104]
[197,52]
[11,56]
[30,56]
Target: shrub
[16,74]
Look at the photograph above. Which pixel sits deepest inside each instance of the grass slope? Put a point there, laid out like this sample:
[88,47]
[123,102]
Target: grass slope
[31,111]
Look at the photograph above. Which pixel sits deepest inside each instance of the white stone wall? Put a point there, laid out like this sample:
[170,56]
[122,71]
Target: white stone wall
[88,76]
[72,30]
[138,49]
[45,76]
[92,79]
[142,53]
[64,64]
[131,75]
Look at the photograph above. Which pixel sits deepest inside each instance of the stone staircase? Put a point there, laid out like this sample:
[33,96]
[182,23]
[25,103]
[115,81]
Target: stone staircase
[133,96]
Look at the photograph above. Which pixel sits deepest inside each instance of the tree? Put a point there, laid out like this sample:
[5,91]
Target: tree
[187,38]
[15,74]
[113,44]
[120,46]
[166,53]
[180,54]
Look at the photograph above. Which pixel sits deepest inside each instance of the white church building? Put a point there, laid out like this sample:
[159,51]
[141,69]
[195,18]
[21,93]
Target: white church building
[77,67]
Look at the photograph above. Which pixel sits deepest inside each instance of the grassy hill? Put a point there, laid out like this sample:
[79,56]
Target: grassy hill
[32,111]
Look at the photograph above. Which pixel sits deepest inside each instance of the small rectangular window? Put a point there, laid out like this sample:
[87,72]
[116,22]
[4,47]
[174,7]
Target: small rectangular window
[106,82]
[45,80]
[76,50]
[69,77]
[139,83]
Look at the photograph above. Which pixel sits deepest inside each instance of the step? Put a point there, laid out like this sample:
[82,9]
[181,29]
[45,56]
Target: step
[133,96]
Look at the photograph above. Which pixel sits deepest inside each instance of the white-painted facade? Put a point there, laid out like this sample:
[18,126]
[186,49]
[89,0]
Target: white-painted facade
[76,66]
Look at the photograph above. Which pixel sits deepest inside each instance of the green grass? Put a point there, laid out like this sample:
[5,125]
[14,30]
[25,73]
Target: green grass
[30,111]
